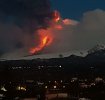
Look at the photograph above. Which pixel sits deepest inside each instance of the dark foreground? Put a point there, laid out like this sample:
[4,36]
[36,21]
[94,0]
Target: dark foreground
[74,76]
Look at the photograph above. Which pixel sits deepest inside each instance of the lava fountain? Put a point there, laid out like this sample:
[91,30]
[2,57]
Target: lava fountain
[45,35]
[45,39]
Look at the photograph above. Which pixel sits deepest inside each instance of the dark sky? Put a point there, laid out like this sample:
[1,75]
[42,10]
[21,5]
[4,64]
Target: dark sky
[75,8]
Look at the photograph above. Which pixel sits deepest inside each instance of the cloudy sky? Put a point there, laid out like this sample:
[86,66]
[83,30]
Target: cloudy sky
[82,23]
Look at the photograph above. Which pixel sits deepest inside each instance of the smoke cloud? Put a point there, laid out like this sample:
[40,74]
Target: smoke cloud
[90,31]
[19,21]
[81,35]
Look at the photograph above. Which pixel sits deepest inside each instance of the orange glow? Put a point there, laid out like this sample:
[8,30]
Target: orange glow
[67,21]
[45,40]
[59,27]
[56,16]
[46,36]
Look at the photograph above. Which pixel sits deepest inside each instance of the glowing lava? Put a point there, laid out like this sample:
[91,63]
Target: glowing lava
[56,16]
[46,36]
[45,39]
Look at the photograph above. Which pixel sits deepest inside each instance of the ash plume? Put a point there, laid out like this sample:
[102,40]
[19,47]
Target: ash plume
[19,19]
